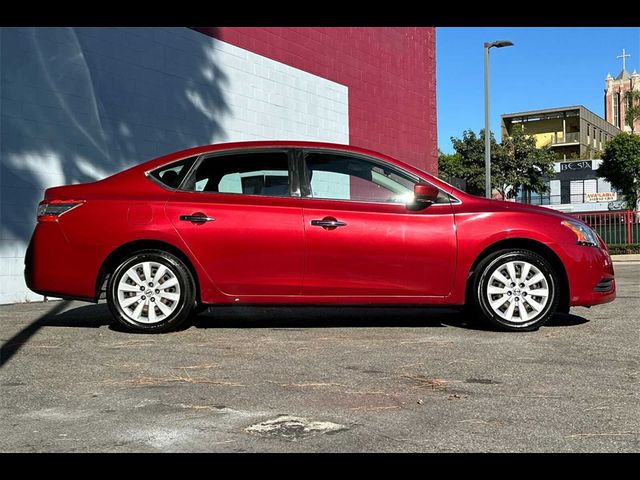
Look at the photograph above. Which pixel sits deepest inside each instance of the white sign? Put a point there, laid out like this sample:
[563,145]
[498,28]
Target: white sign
[601,197]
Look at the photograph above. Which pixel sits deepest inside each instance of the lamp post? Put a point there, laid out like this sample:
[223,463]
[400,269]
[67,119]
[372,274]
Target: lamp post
[487,129]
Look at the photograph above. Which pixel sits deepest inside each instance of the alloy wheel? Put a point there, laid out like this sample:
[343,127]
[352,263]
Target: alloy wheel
[148,292]
[517,291]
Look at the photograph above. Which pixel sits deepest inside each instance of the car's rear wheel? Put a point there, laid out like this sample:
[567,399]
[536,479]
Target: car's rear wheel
[516,290]
[151,291]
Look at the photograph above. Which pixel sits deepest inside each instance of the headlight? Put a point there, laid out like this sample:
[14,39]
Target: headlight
[585,236]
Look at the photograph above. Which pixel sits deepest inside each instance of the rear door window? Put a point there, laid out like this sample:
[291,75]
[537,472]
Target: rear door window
[256,173]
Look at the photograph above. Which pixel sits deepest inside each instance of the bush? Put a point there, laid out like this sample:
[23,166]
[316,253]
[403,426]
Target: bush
[624,249]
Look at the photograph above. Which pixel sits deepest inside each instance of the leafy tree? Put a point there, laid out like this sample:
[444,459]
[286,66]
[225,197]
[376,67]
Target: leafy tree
[469,163]
[515,163]
[588,154]
[621,166]
[449,164]
[632,113]
[521,165]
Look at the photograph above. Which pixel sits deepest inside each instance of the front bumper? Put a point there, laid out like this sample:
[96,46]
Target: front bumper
[590,274]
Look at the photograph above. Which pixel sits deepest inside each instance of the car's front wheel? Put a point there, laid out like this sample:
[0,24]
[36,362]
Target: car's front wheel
[151,291]
[516,290]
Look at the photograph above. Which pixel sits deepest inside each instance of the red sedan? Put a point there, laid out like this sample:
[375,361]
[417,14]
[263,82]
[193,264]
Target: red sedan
[306,223]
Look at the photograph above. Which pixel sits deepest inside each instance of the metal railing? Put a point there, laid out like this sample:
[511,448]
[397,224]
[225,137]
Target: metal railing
[552,199]
[556,138]
[618,227]
[569,199]
[571,137]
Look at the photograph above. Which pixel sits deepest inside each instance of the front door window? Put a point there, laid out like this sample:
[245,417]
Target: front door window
[342,177]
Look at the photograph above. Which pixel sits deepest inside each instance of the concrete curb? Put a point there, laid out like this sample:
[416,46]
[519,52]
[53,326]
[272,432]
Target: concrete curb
[630,258]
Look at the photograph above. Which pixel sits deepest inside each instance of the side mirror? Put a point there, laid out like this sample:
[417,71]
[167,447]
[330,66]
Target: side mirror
[425,193]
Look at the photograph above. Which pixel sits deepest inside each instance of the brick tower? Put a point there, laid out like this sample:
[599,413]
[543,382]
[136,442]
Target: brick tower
[615,101]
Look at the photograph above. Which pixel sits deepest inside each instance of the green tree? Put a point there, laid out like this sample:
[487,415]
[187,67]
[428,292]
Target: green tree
[621,166]
[515,163]
[521,165]
[469,160]
[449,166]
[588,154]
[632,113]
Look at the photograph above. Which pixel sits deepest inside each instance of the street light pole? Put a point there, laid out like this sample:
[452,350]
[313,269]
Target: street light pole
[487,134]
[487,128]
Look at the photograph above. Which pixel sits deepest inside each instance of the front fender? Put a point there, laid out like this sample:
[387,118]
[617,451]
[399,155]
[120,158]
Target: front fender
[482,232]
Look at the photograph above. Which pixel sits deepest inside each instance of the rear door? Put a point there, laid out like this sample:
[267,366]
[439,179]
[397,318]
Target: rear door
[241,216]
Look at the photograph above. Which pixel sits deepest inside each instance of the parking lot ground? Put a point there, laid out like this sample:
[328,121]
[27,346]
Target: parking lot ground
[330,379]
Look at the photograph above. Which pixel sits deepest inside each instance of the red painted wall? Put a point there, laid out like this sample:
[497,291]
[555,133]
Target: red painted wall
[390,72]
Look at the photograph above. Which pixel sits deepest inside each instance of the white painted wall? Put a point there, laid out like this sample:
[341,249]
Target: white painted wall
[78,104]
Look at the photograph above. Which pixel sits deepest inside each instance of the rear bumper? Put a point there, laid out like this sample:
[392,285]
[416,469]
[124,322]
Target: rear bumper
[54,268]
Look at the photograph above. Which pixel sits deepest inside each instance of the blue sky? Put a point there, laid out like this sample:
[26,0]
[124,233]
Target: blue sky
[547,67]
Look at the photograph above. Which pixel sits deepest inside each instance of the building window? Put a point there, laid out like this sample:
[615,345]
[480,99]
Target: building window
[616,109]
[554,192]
[565,193]
[603,185]
[627,106]
[577,191]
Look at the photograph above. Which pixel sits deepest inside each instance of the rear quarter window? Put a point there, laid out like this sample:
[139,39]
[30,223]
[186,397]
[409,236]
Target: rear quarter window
[171,175]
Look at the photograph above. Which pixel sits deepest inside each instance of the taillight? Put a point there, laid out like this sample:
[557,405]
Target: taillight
[50,211]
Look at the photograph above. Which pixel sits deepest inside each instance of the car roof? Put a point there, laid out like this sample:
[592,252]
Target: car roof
[254,144]
[217,147]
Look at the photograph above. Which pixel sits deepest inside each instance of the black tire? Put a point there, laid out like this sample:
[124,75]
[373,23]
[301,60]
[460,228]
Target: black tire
[184,304]
[480,295]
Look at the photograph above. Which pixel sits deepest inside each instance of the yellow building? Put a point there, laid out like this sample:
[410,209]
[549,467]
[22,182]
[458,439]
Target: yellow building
[572,132]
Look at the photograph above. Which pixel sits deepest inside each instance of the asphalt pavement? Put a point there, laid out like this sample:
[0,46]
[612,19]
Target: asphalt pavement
[321,379]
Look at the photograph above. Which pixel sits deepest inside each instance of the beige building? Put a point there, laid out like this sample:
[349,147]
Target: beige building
[572,132]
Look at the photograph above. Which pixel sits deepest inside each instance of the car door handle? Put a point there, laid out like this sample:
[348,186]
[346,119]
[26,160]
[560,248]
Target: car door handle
[197,218]
[328,223]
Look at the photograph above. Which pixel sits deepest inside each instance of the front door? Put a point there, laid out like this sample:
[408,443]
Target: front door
[361,238]
[242,220]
